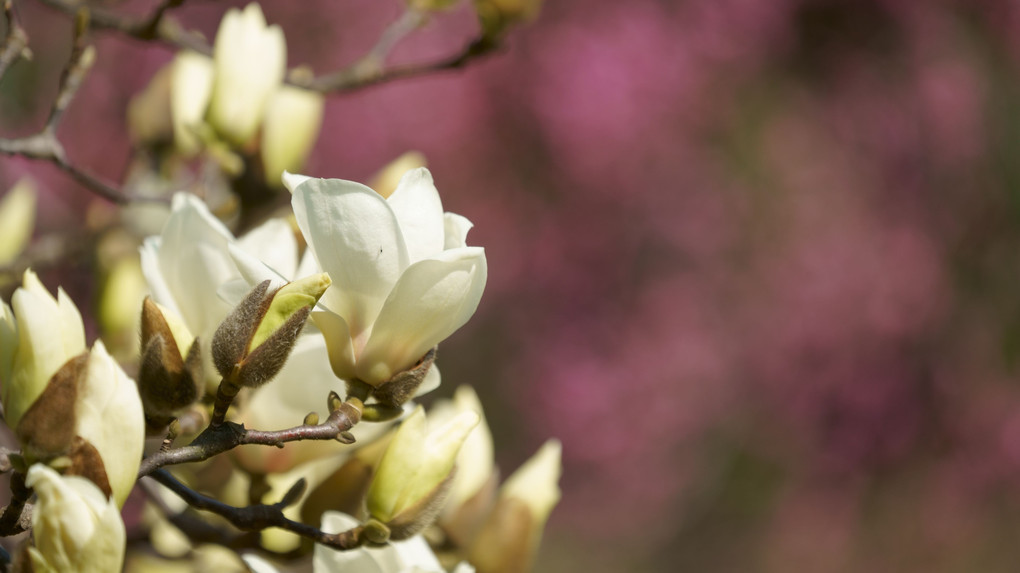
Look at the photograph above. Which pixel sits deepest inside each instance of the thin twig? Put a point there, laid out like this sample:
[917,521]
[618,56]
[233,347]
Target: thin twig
[16,41]
[365,73]
[218,439]
[262,516]
[154,27]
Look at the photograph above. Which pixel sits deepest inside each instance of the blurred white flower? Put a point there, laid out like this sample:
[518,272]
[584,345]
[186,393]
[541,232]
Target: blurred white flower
[75,528]
[291,126]
[190,89]
[249,59]
[403,277]
[17,219]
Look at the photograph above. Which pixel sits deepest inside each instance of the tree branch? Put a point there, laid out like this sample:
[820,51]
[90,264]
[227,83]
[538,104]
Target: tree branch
[16,41]
[215,440]
[154,27]
[262,516]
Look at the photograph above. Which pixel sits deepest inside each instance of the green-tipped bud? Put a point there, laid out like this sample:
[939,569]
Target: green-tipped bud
[17,220]
[510,537]
[170,375]
[254,341]
[414,476]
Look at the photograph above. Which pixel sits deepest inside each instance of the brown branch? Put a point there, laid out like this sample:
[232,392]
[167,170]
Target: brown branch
[45,146]
[262,516]
[16,41]
[369,71]
[17,516]
[154,27]
[218,439]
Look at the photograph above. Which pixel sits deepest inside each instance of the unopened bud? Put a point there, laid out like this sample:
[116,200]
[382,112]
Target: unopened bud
[312,419]
[415,473]
[170,375]
[254,341]
[17,219]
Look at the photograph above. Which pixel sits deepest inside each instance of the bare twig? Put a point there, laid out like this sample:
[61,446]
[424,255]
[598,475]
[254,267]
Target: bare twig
[17,515]
[369,70]
[259,517]
[218,439]
[16,41]
[154,27]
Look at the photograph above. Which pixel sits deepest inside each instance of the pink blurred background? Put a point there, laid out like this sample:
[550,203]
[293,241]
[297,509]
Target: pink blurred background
[756,264]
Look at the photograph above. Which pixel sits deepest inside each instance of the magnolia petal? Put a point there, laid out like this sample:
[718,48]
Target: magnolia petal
[194,262]
[109,416]
[441,449]
[292,180]
[536,482]
[357,240]
[420,213]
[158,287]
[338,342]
[289,130]
[430,302]
[430,382]
[190,90]
[254,270]
[456,227]
[275,245]
[8,342]
[17,219]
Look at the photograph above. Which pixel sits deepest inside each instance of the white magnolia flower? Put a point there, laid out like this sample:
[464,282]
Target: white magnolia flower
[76,529]
[475,464]
[36,339]
[403,277]
[109,416]
[250,59]
[190,90]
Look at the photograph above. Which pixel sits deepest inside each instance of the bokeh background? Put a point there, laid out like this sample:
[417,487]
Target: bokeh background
[756,264]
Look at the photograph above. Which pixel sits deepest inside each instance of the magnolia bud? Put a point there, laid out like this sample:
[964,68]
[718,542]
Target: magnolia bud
[291,126]
[17,219]
[75,527]
[474,487]
[170,375]
[386,180]
[414,476]
[148,114]
[250,59]
[36,339]
[510,537]
[254,341]
[190,89]
[404,385]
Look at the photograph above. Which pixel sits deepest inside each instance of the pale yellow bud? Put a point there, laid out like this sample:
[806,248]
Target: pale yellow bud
[386,180]
[49,333]
[250,59]
[291,126]
[497,16]
[475,460]
[75,528]
[17,219]
[148,114]
[191,88]
[413,477]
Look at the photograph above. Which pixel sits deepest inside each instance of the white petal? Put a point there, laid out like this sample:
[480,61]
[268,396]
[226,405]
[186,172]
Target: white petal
[457,228]
[190,89]
[292,180]
[431,301]
[273,242]
[109,416]
[160,291]
[356,239]
[430,383]
[420,213]
[255,270]
[257,564]
[338,342]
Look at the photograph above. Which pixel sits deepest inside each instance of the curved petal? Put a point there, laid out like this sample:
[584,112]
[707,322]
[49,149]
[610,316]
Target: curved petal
[420,213]
[338,342]
[357,240]
[431,301]
[254,270]
[292,180]
[457,227]
[273,242]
